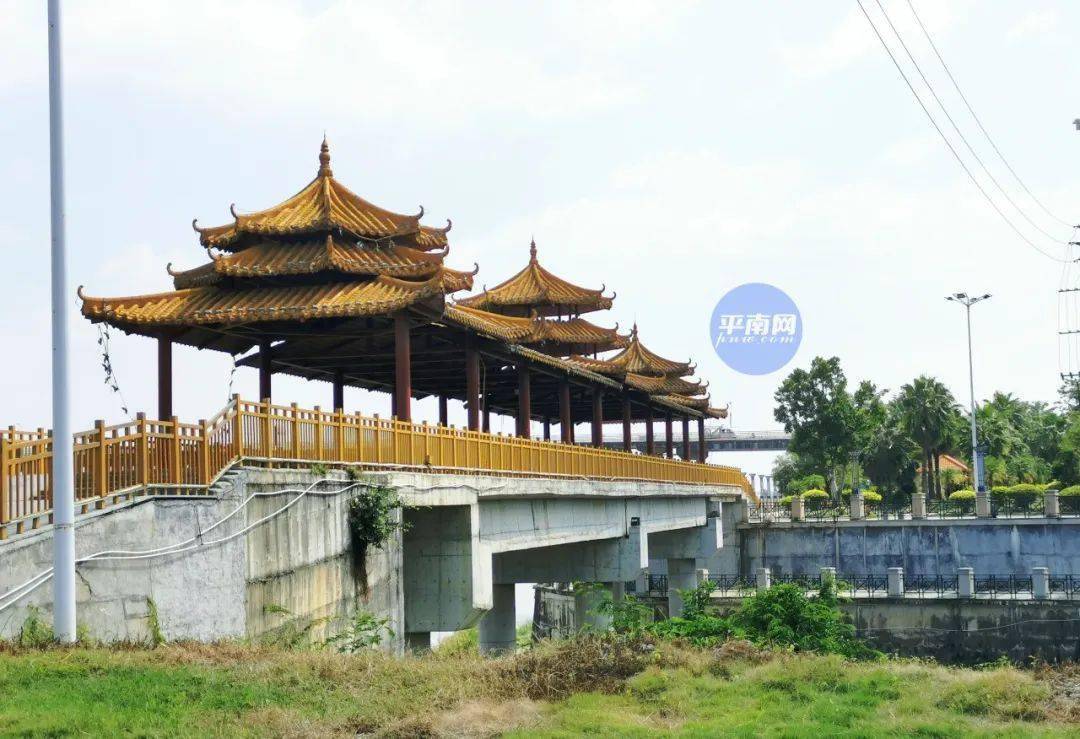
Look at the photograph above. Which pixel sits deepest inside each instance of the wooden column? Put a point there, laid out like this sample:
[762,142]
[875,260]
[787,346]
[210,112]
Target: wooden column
[164,365]
[669,441]
[472,383]
[487,416]
[686,438]
[703,450]
[598,417]
[402,368]
[443,411]
[626,440]
[265,372]
[547,428]
[566,423]
[339,390]
[524,402]
[650,440]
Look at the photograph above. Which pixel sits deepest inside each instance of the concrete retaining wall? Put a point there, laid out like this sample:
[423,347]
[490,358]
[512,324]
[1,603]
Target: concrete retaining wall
[997,547]
[295,566]
[970,631]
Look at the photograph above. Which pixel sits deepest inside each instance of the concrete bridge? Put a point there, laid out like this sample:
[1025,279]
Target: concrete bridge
[717,439]
[263,542]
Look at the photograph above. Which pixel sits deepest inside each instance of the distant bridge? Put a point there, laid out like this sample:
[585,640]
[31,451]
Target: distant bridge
[717,438]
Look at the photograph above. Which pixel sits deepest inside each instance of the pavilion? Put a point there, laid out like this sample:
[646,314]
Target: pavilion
[327,286]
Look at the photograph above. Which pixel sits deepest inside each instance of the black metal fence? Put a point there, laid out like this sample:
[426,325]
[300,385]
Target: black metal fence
[1001,506]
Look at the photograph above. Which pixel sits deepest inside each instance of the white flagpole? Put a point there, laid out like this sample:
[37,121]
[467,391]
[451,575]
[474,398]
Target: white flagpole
[62,473]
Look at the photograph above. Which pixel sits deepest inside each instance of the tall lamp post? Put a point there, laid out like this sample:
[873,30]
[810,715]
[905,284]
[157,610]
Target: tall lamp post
[63,476]
[967,301]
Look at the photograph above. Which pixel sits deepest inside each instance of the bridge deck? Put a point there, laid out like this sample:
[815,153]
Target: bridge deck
[144,456]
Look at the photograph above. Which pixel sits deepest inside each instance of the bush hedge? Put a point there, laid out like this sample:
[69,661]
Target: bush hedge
[962,495]
[1071,491]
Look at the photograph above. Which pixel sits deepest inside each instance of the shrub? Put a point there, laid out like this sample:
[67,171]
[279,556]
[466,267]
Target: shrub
[362,631]
[783,616]
[815,495]
[1071,491]
[786,501]
[871,496]
[810,482]
[1022,495]
[962,495]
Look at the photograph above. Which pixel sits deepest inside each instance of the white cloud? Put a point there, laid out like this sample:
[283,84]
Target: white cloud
[1033,24]
[387,60]
[852,38]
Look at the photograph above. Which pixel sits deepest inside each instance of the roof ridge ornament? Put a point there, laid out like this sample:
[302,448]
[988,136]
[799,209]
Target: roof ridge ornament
[324,159]
[532,250]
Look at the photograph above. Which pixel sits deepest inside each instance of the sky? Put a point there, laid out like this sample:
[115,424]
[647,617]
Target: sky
[670,151]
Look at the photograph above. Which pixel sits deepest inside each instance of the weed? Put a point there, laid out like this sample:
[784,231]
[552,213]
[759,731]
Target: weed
[35,632]
[363,631]
[153,624]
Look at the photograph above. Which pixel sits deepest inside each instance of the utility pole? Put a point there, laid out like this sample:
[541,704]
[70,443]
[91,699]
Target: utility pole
[62,473]
[967,301]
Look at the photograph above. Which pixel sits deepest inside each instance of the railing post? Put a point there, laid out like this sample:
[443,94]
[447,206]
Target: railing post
[318,434]
[268,431]
[142,450]
[178,474]
[100,464]
[238,428]
[295,411]
[5,485]
[204,452]
[339,434]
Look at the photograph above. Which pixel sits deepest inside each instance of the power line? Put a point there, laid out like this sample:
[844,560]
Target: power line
[948,143]
[978,121]
[970,148]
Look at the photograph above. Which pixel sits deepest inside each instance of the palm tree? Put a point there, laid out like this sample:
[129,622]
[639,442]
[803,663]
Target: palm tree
[925,409]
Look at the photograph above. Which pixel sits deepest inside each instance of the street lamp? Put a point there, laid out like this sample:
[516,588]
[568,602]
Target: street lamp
[967,301]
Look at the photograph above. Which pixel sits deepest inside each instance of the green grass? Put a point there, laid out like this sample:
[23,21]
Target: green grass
[563,690]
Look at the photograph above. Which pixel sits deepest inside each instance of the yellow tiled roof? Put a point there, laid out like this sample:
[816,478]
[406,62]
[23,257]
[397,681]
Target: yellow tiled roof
[699,404]
[323,205]
[536,288]
[536,329]
[635,359]
[208,305]
[311,256]
[664,385]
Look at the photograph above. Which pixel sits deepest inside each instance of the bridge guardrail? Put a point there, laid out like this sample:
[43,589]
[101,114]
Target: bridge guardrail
[143,456]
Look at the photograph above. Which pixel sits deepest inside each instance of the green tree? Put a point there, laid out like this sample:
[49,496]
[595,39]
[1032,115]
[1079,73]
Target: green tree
[925,407]
[817,410]
[889,460]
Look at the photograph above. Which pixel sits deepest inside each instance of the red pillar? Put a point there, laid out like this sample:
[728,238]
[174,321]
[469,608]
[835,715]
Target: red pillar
[443,411]
[686,438]
[265,372]
[566,423]
[669,442]
[164,359]
[339,390]
[598,418]
[626,441]
[472,383]
[650,440]
[524,402]
[703,450]
[402,369]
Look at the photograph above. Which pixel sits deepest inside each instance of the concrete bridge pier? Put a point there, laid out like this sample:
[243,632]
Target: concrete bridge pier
[498,627]
[681,576]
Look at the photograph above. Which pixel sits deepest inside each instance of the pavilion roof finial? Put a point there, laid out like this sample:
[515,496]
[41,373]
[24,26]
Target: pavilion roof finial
[324,159]
[532,249]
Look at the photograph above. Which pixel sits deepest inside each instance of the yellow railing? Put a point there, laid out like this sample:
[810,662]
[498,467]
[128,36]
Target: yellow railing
[138,457]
